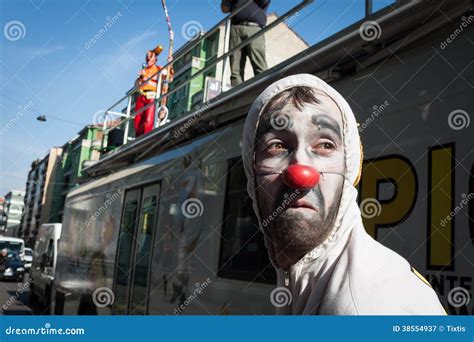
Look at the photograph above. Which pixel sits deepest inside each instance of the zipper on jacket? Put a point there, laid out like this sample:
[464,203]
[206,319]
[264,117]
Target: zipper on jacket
[287,278]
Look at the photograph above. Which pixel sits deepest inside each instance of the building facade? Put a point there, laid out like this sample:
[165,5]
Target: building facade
[51,178]
[78,153]
[2,218]
[12,212]
[38,197]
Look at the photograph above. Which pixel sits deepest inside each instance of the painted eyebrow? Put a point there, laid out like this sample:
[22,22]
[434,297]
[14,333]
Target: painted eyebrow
[323,120]
[326,121]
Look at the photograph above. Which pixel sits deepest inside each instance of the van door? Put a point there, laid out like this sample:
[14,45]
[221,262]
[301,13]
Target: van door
[125,247]
[142,252]
[132,270]
[37,267]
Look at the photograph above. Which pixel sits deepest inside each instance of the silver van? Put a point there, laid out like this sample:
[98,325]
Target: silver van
[44,264]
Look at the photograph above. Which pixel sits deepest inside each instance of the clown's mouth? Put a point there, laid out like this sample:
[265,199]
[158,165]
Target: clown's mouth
[302,204]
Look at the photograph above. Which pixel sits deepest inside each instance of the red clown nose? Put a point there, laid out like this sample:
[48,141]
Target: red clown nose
[299,176]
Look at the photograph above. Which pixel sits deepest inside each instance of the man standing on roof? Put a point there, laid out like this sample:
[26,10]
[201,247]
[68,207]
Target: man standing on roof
[245,24]
[147,81]
[302,157]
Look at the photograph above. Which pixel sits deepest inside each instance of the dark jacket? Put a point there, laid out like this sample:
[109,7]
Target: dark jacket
[256,12]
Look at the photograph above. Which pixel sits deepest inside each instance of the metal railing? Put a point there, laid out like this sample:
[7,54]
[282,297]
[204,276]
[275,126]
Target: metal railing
[129,115]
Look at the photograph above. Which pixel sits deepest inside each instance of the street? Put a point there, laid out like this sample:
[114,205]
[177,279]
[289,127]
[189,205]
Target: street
[14,297]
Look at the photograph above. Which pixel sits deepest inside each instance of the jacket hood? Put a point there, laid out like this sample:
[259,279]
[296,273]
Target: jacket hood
[348,213]
[349,273]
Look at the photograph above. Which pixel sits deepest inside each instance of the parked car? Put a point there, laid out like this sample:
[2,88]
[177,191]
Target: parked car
[44,264]
[28,258]
[13,267]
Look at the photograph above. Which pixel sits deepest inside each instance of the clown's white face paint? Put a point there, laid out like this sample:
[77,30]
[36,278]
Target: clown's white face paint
[311,136]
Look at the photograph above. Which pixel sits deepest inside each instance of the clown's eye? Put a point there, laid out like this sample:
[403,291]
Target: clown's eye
[324,148]
[275,148]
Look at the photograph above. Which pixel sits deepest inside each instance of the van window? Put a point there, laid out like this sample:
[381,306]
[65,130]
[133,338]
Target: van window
[142,255]
[11,246]
[125,245]
[149,207]
[50,252]
[243,254]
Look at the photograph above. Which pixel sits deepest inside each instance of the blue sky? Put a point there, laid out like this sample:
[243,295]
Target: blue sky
[47,68]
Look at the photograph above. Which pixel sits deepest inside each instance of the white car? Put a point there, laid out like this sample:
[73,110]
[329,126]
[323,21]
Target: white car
[28,259]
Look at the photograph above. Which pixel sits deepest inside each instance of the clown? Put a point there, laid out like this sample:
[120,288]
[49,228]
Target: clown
[302,158]
[148,91]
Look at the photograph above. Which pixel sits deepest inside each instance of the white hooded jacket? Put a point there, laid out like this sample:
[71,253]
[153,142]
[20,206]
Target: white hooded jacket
[350,273]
